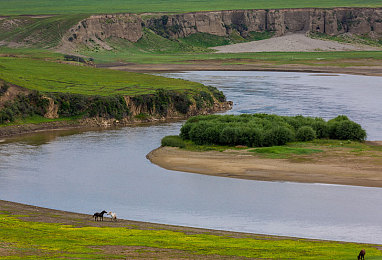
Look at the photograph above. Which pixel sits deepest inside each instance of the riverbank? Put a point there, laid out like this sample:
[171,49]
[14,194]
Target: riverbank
[224,65]
[345,166]
[24,230]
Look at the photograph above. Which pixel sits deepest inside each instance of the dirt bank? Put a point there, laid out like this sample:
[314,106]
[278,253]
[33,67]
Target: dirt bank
[298,42]
[249,65]
[339,166]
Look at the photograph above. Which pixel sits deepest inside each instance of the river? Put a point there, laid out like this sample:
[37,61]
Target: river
[88,171]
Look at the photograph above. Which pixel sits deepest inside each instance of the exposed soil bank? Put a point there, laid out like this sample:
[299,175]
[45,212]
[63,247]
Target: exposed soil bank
[96,122]
[370,70]
[296,42]
[96,29]
[333,167]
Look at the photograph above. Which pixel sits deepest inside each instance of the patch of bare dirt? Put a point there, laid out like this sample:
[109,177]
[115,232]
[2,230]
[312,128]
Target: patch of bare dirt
[294,42]
[249,65]
[11,93]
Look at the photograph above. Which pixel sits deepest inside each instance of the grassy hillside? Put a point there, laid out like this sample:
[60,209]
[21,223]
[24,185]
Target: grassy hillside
[139,6]
[41,32]
[54,77]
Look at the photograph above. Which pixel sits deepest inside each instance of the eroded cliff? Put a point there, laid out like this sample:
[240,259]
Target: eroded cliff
[98,29]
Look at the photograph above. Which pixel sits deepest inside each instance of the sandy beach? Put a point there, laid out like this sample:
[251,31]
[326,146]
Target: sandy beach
[337,167]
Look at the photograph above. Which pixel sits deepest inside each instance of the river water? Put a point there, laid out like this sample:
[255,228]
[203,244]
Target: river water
[90,171]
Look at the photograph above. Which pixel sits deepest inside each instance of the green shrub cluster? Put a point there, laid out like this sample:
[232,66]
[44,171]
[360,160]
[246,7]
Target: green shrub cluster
[24,106]
[173,141]
[258,130]
[90,106]
[161,101]
[3,89]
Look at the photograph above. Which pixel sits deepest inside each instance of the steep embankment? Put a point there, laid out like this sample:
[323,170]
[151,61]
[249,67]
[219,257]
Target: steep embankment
[96,31]
[190,31]
[40,91]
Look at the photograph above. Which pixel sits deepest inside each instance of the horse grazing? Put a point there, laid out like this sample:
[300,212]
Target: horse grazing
[362,254]
[113,216]
[99,215]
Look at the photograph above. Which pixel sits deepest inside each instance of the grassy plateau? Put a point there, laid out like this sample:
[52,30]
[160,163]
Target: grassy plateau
[55,77]
[135,6]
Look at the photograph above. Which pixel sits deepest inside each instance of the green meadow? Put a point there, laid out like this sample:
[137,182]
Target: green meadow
[338,59]
[47,76]
[134,6]
[38,240]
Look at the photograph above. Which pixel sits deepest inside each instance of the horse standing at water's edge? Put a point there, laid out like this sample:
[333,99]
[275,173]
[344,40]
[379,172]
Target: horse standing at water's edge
[99,215]
[113,216]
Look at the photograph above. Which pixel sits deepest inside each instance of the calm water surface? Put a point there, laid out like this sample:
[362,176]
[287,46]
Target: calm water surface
[95,170]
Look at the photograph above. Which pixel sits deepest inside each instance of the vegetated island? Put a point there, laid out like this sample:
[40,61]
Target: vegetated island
[274,148]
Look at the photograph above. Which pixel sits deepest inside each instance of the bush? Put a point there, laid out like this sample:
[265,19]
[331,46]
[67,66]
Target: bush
[185,131]
[229,136]
[173,141]
[321,128]
[348,130]
[3,89]
[198,132]
[266,130]
[278,135]
[305,133]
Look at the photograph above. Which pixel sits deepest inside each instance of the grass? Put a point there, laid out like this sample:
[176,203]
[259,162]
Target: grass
[339,59]
[154,44]
[54,77]
[36,119]
[298,150]
[134,6]
[345,38]
[45,32]
[284,151]
[36,240]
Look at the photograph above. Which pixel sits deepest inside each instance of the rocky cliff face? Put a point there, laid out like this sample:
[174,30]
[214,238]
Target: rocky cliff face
[96,29]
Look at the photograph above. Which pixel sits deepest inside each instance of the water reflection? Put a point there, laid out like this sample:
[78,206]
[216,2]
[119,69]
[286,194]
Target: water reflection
[94,170]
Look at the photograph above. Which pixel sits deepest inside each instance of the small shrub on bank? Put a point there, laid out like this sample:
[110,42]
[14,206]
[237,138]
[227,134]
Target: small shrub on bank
[305,133]
[348,130]
[173,141]
[3,89]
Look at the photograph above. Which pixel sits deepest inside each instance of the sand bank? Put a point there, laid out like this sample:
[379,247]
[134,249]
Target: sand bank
[341,168]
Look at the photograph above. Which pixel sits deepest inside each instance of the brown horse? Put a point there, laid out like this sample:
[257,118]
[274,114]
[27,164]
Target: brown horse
[99,215]
[362,254]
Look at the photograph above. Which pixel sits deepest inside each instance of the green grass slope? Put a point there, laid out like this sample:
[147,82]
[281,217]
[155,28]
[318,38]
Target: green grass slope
[42,32]
[55,77]
[139,6]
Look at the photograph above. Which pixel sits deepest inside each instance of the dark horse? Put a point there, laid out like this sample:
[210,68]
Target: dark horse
[99,215]
[362,254]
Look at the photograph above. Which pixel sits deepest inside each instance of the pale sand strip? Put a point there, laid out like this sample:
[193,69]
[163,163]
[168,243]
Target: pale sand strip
[245,166]
[297,42]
